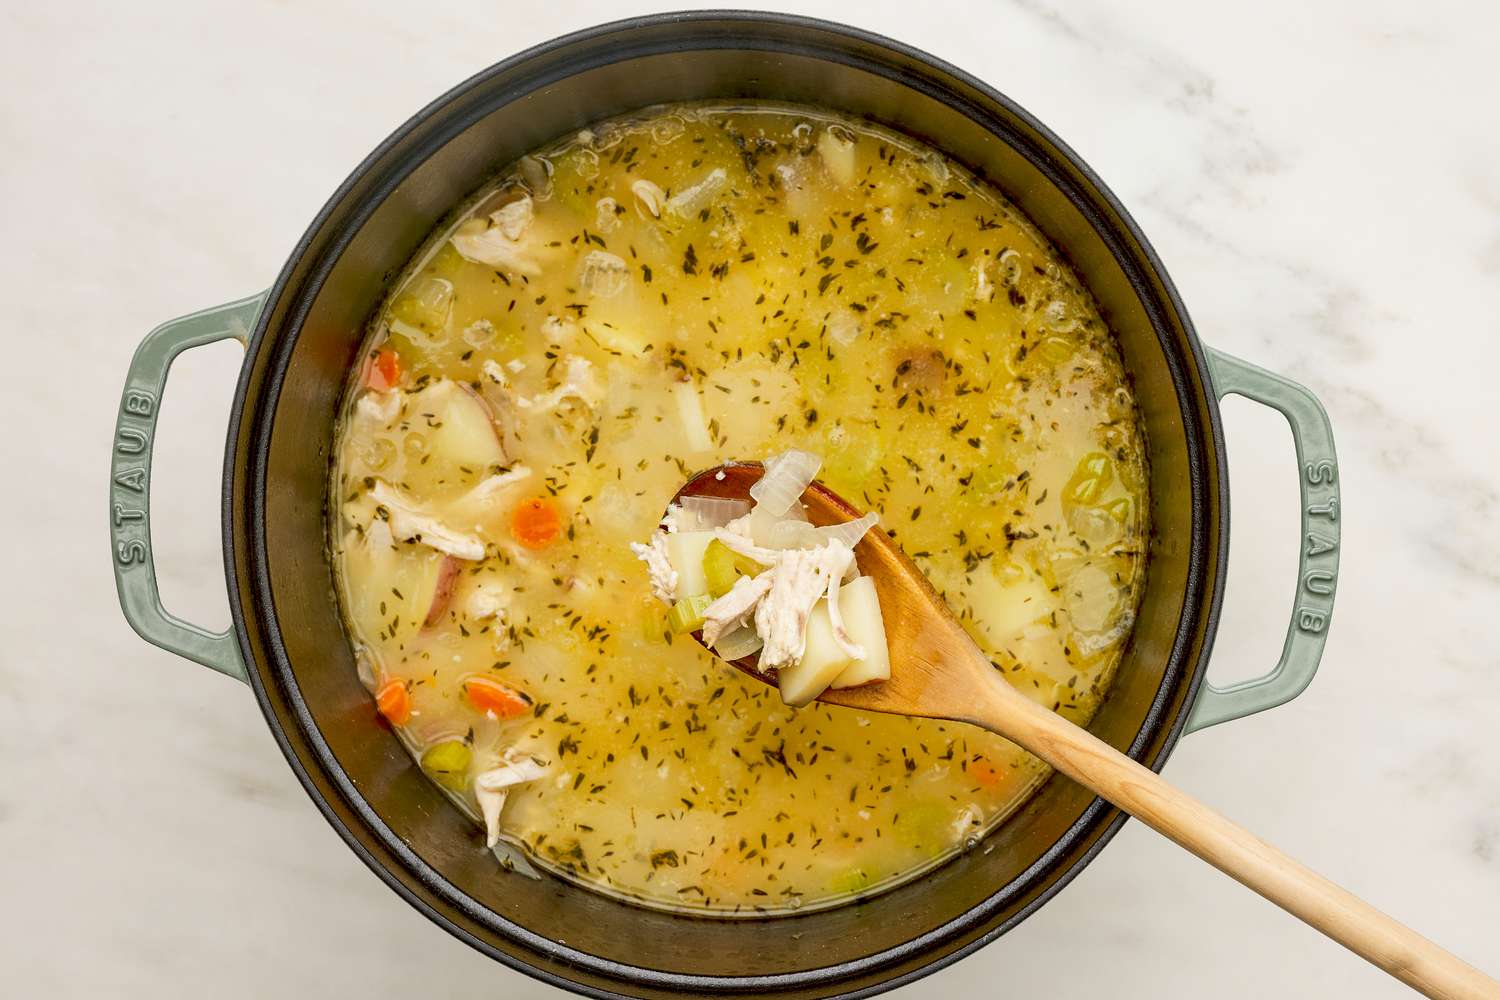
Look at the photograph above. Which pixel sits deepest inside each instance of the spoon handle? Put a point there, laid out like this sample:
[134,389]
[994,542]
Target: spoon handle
[1236,852]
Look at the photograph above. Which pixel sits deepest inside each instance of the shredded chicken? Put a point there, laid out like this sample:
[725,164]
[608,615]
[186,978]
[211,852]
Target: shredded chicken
[409,522]
[735,606]
[671,521]
[499,244]
[488,599]
[493,487]
[732,536]
[578,382]
[514,218]
[379,407]
[495,373]
[836,617]
[496,391]
[491,788]
[663,576]
[798,578]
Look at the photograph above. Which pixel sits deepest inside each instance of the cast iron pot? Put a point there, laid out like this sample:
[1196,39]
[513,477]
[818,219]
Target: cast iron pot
[302,336]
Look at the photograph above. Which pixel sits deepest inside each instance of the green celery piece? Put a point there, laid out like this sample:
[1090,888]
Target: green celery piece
[687,614]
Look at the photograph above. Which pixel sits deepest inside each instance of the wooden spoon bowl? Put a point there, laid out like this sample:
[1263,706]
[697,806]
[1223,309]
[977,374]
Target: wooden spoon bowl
[935,665]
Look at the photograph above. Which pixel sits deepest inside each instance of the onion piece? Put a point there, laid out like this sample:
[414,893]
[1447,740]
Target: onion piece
[688,202]
[513,859]
[742,641]
[786,476]
[789,534]
[850,532]
[695,431]
[706,513]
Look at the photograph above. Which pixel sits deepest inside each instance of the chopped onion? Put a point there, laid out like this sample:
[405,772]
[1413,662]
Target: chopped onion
[688,202]
[789,534]
[690,411]
[707,513]
[787,475]
[850,532]
[513,859]
[738,642]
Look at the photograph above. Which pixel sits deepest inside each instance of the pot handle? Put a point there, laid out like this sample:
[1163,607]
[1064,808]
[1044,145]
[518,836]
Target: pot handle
[1318,551]
[130,484]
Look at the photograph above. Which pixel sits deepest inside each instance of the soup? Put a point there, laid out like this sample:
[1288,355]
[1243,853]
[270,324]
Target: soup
[657,295]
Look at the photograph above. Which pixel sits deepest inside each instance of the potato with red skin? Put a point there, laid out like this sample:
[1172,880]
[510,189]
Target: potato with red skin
[442,590]
[395,589]
[920,370]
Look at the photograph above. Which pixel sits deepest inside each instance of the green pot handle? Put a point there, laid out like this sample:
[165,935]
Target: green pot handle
[1318,549]
[130,484]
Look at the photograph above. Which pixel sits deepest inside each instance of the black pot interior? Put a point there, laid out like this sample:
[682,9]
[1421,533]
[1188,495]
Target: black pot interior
[276,478]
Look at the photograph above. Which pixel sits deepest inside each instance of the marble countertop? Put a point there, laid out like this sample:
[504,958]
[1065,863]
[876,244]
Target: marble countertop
[1323,181]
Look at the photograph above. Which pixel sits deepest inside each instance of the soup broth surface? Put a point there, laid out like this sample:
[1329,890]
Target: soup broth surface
[660,294]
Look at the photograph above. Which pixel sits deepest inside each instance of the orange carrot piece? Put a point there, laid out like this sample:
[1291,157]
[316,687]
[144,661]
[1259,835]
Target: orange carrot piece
[536,523]
[489,695]
[394,702]
[984,772]
[385,369]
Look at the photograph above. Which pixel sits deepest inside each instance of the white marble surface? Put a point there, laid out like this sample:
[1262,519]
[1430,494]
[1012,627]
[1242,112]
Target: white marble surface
[1323,180]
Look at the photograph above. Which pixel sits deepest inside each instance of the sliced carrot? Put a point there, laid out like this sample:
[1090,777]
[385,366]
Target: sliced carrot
[984,772]
[394,702]
[536,523]
[385,369]
[489,695]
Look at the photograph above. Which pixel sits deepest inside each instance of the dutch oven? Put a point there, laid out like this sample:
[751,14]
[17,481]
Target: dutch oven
[287,641]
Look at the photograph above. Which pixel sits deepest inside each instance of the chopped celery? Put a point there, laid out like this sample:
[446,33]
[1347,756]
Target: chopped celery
[851,880]
[687,614]
[989,480]
[722,566]
[1094,473]
[1054,350]
[1119,509]
[425,303]
[928,825]
[448,763]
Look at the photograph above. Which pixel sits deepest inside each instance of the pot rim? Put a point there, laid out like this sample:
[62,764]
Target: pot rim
[247,451]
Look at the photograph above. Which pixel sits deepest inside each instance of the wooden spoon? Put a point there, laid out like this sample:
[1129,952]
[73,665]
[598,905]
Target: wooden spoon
[938,673]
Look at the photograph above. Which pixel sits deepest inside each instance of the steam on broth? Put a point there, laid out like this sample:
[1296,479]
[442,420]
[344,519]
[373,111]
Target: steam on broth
[661,294]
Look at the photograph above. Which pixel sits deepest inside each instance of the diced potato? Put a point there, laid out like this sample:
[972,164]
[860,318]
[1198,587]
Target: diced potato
[823,659]
[1003,609]
[836,148]
[458,426]
[860,606]
[685,552]
[395,589]
[850,880]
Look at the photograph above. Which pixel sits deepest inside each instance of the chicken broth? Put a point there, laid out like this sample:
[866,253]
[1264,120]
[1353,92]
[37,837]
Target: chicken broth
[658,295]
